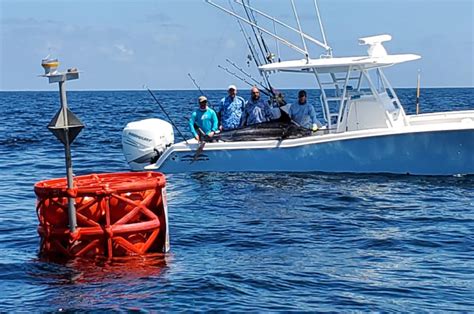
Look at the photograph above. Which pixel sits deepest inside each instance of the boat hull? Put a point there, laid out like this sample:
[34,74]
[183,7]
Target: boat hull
[418,153]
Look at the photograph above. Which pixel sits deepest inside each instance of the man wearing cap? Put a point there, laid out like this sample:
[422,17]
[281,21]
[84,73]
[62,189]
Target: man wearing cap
[255,109]
[203,121]
[230,110]
[303,113]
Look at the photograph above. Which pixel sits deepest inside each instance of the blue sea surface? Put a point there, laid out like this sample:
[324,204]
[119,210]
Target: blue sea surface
[239,241]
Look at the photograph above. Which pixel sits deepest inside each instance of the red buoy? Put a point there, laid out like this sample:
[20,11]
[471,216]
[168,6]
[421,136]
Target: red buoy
[118,214]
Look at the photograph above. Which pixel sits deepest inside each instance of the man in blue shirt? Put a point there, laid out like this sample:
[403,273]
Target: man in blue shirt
[203,121]
[304,114]
[230,110]
[255,110]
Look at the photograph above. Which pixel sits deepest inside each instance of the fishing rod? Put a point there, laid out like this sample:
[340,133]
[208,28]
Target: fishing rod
[253,29]
[250,21]
[253,50]
[260,41]
[243,79]
[252,18]
[248,40]
[268,55]
[248,75]
[195,84]
[200,90]
[167,115]
[235,75]
[278,99]
[265,51]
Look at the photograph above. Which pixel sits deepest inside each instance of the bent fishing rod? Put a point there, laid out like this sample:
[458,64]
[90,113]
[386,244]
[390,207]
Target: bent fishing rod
[167,115]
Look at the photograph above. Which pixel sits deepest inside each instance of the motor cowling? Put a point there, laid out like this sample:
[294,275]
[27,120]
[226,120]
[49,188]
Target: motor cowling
[144,141]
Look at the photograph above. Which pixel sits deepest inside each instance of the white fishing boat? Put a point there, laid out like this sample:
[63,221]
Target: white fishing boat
[366,128]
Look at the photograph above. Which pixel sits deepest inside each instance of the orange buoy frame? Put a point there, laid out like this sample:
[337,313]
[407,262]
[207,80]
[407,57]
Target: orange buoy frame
[118,214]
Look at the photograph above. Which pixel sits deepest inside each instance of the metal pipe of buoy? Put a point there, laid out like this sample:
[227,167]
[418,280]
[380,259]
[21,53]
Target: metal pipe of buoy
[67,150]
[65,126]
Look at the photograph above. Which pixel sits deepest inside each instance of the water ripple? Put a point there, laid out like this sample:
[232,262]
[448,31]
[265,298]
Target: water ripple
[239,241]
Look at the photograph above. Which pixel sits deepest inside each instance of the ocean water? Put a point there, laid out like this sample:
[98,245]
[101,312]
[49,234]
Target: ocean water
[239,241]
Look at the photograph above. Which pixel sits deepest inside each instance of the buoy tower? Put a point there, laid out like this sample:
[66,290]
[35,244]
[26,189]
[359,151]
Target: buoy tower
[110,214]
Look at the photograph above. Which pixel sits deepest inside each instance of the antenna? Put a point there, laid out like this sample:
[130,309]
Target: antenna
[418,93]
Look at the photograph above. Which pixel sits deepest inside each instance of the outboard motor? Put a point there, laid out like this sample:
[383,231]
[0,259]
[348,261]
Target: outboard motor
[144,141]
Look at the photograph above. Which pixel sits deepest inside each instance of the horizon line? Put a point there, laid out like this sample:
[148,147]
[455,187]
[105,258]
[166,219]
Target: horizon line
[207,89]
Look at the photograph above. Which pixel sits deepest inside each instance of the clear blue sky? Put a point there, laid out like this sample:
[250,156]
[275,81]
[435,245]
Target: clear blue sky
[124,44]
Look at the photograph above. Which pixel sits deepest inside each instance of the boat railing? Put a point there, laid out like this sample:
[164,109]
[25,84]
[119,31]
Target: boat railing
[336,93]
[336,111]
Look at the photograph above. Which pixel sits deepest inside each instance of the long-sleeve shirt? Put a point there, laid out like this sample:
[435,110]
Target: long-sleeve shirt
[206,120]
[230,110]
[255,111]
[304,115]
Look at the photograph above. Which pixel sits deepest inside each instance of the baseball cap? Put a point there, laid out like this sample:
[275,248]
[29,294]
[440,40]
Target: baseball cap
[232,87]
[202,98]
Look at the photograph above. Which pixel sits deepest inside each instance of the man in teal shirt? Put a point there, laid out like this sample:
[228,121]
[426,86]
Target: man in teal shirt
[204,119]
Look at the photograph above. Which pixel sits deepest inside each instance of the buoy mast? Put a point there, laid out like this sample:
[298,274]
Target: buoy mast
[65,126]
